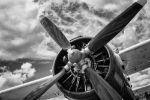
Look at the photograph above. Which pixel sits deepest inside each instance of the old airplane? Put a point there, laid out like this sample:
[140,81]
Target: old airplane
[87,68]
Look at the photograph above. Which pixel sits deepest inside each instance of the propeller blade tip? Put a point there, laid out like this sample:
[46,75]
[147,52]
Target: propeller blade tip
[141,2]
[41,17]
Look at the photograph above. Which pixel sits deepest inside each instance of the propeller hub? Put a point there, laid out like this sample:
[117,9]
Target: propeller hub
[74,56]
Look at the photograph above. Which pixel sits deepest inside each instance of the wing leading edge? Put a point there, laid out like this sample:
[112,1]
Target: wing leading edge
[18,92]
[136,57]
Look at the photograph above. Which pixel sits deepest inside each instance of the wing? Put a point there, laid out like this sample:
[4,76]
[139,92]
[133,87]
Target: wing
[136,57]
[18,92]
[142,93]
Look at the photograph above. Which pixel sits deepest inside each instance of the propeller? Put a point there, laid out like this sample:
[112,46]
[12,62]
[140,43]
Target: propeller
[40,90]
[101,87]
[54,32]
[62,41]
[115,26]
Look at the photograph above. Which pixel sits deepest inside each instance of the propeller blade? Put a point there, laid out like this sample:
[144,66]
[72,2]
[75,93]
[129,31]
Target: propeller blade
[55,33]
[101,87]
[115,26]
[40,90]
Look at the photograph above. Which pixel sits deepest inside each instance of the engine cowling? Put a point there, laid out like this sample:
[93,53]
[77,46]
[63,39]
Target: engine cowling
[76,85]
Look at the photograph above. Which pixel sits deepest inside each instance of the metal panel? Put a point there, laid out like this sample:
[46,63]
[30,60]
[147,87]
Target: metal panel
[137,57]
[142,93]
[20,91]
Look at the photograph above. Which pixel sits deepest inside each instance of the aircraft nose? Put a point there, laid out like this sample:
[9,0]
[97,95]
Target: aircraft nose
[74,56]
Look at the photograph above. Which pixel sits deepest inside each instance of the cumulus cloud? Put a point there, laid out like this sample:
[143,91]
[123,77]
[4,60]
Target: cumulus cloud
[73,21]
[21,35]
[9,79]
[20,30]
[121,4]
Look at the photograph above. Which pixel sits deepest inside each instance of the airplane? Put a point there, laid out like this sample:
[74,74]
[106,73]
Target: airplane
[87,68]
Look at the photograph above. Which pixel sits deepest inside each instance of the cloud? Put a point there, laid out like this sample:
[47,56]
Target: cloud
[111,7]
[20,30]
[17,77]
[75,21]
[21,33]
[111,3]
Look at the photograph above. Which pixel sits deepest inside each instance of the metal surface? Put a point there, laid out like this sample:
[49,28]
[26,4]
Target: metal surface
[41,89]
[19,92]
[142,93]
[55,33]
[76,82]
[136,57]
[98,56]
[115,26]
[103,89]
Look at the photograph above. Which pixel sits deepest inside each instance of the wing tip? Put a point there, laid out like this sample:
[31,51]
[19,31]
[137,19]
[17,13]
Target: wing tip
[141,2]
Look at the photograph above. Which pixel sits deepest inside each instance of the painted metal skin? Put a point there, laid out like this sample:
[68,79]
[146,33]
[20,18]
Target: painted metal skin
[78,61]
[114,77]
[140,51]
[18,92]
[113,84]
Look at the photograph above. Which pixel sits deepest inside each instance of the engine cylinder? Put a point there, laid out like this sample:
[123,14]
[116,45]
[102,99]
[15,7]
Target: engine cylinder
[77,86]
